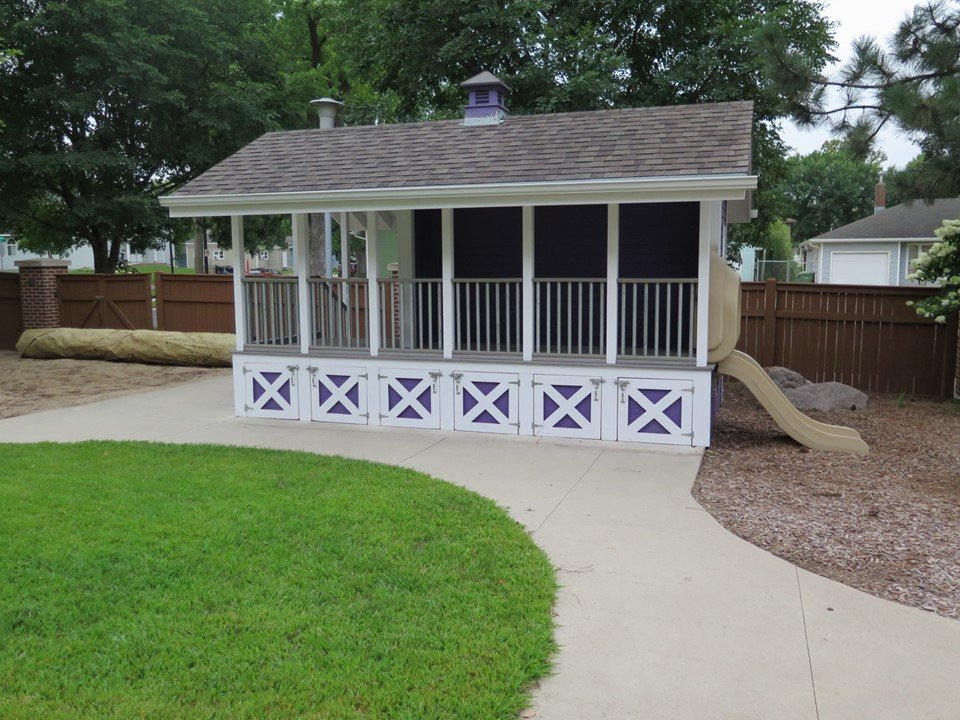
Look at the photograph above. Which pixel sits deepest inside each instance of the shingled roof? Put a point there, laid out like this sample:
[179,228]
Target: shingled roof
[914,221]
[684,140]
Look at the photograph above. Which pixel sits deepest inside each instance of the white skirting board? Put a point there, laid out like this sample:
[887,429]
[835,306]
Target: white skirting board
[627,403]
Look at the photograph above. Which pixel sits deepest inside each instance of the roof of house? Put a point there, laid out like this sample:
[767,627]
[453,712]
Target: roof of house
[683,140]
[916,220]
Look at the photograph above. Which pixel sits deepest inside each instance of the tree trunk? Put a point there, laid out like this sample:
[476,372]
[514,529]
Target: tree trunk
[317,246]
[114,258]
[101,253]
[197,249]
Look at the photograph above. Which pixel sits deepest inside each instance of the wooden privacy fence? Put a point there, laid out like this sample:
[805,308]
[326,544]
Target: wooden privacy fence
[120,302]
[195,303]
[862,336]
[11,320]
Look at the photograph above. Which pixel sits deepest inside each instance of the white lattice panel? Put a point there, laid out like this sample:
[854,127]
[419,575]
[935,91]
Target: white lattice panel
[338,395]
[655,411]
[566,406]
[271,391]
[486,402]
[409,398]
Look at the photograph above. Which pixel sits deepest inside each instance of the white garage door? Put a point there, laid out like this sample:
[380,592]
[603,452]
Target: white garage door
[860,268]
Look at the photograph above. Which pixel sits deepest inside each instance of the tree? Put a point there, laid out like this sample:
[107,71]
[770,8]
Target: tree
[940,265]
[914,85]
[561,55]
[828,188]
[110,103]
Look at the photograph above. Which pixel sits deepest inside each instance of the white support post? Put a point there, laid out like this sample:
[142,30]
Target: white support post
[446,235]
[345,246]
[373,287]
[613,274]
[301,265]
[527,294]
[328,243]
[709,238]
[405,270]
[237,257]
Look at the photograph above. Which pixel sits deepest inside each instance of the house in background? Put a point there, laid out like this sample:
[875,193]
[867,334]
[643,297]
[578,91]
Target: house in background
[80,258]
[274,258]
[877,250]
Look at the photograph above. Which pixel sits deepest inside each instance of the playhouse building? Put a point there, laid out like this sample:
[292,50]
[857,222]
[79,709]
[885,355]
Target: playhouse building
[551,275]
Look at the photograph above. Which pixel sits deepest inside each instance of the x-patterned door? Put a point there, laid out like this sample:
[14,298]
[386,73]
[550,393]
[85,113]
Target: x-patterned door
[271,391]
[656,411]
[486,402]
[410,398]
[338,395]
[566,406]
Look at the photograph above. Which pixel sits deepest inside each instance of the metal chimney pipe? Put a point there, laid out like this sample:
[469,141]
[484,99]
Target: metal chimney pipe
[327,109]
[880,197]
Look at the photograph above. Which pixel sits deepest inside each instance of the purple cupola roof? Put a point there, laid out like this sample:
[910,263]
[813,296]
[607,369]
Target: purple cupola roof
[487,103]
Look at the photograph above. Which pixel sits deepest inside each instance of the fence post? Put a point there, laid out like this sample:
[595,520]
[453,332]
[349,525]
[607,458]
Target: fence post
[768,357]
[158,297]
[148,299]
[956,369]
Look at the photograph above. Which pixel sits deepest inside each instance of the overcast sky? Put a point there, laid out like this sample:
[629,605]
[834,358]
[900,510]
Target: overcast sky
[854,18]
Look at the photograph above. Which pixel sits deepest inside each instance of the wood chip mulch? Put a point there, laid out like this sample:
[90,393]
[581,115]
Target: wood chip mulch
[887,523]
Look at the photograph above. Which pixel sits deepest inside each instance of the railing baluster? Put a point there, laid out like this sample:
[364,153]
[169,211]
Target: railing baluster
[691,350]
[590,349]
[669,319]
[623,314]
[486,311]
[656,320]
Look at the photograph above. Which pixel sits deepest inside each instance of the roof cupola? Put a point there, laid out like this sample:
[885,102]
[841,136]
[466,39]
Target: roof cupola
[487,103]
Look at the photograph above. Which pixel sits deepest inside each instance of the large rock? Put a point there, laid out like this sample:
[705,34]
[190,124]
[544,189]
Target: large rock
[785,378]
[826,396]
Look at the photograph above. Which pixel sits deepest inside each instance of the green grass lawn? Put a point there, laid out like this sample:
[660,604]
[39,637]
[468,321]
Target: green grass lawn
[160,581]
[143,268]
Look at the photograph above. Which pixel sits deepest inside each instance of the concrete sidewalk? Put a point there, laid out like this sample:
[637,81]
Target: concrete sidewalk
[662,613]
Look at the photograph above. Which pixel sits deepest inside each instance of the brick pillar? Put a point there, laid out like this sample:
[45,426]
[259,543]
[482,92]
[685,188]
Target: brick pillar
[38,292]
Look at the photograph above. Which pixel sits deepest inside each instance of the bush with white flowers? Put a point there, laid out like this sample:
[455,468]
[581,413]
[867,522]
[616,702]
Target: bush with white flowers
[940,265]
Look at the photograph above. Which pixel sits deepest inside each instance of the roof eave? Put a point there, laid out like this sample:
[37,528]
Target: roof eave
[574,192]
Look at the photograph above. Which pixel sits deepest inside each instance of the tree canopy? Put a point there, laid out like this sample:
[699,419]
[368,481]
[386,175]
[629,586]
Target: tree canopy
[913,84]
[111,103]
[828,188]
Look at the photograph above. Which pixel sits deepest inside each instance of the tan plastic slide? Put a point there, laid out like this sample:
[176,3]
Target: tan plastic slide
[724,332]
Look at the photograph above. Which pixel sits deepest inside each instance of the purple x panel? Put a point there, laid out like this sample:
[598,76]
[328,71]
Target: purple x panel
[353,395]
[567,391]
[501,403]
[674,411]
[259,389]
[409,413]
